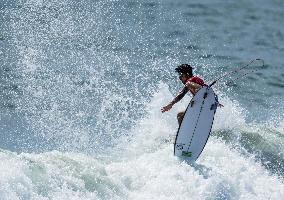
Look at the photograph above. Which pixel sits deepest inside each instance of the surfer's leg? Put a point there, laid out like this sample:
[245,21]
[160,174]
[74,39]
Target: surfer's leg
[180,117]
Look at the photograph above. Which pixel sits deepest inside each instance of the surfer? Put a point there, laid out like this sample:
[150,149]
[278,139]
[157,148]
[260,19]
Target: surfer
[191,83]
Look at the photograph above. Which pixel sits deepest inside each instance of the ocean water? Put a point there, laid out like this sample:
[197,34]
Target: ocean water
[82,84]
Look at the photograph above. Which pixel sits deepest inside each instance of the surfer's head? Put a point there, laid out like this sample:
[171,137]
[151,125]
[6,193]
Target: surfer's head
[184,71]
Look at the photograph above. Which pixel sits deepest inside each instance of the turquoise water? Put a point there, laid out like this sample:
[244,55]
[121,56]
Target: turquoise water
[82,84]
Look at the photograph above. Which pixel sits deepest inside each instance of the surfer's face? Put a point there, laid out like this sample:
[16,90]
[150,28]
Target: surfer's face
[183,78]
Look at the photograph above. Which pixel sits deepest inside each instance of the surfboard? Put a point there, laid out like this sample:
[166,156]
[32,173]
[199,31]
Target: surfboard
[196,125]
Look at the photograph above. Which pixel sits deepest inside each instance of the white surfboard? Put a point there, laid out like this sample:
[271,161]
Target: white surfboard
[196,125]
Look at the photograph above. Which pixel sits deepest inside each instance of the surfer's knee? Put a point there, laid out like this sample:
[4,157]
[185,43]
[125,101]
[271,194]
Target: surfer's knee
[180,117]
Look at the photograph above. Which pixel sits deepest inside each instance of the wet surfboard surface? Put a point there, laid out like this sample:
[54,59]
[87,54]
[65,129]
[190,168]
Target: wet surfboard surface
[196,125]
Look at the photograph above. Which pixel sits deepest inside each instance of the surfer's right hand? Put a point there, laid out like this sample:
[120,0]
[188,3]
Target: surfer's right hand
[166,108]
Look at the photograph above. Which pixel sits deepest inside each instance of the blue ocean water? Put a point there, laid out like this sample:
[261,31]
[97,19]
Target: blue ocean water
[82,84]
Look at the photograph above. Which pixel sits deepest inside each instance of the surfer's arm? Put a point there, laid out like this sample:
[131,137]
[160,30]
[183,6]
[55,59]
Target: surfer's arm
[175,100]
[181,94]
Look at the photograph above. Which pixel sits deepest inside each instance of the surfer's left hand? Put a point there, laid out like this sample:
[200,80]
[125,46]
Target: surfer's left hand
[220,105]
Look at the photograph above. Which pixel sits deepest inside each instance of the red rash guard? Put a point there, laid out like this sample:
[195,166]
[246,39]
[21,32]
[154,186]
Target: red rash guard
[181,94]
[197,80]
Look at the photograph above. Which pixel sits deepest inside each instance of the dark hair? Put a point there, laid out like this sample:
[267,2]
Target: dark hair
[184,69]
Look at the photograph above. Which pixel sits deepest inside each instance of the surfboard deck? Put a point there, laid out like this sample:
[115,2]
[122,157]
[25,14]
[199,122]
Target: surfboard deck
[196,125]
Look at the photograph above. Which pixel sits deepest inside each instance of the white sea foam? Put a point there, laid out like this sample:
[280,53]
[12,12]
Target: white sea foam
[152,172]
[142,166]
